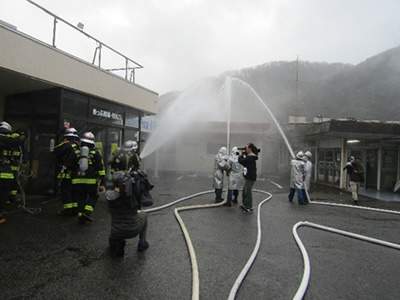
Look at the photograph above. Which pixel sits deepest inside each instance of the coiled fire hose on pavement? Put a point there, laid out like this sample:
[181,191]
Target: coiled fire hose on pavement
[307,269]
[306,261]
[192,254]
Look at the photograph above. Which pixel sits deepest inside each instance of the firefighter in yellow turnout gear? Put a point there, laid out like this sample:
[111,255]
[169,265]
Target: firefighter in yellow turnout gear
[17,155]
[127,159]
[62,152]
[86,164]
[8,141]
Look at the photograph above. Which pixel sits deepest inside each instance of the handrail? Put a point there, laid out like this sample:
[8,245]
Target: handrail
[98,47]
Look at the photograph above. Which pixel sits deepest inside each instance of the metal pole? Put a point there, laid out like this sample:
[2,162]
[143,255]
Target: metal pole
[100,55]
[54,31]
[126,69]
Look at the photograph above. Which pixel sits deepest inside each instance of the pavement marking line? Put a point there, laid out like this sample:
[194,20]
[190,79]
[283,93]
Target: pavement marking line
[357,207]
[306,261]
[279,186]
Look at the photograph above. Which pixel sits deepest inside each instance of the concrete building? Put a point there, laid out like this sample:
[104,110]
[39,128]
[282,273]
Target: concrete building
[332,142]
[194,150]
[45,89]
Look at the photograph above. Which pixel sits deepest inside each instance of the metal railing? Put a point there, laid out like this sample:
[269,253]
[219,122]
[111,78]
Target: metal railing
[129,70]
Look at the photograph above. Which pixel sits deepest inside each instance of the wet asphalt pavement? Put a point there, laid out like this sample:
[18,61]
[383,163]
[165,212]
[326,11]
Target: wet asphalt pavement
[45,256]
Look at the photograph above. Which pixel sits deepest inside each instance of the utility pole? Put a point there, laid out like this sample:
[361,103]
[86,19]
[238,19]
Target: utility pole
[297,91]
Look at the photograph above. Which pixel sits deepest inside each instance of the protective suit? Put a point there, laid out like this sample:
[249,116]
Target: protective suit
[308,169]
[235,174]
[220,165]
[297,173]
[297,177]
[235,170]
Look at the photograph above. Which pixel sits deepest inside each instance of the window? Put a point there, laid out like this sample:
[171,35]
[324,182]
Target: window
[75,105]
[132,118]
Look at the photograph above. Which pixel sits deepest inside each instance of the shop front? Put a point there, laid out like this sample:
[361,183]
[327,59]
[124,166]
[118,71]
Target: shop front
[377,144]
[45,113]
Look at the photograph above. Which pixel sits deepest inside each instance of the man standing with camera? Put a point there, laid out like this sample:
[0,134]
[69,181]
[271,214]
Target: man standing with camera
[248,160]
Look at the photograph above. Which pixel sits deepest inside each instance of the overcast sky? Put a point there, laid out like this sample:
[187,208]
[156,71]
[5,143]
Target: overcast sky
[182,41]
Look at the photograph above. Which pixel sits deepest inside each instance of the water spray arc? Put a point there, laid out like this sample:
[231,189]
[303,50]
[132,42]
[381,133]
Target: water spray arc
[270,113]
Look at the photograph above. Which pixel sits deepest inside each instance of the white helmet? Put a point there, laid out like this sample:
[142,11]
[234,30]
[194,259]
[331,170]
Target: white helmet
[300,155]
[308,154]
[222,150]
[6,126]
[88,137]
[130,145]
[71,133]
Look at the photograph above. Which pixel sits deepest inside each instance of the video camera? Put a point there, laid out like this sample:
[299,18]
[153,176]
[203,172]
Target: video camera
[256,150]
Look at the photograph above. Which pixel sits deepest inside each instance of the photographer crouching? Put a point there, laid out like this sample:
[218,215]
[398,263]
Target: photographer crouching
[247,158]
[126,222]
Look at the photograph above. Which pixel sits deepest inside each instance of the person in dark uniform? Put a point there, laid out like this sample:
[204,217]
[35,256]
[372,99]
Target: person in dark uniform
[123,160]
[18,155]
[8,141]
[86,164]
[62,152]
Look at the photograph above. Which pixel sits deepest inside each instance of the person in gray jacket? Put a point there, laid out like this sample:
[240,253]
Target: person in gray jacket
[126,221]
[220,166]
[297,178]
[235,174]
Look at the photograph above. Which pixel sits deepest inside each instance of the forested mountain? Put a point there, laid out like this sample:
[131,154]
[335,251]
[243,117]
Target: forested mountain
[369,90]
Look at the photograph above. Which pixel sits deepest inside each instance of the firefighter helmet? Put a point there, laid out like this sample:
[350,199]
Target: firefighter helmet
[6,126]
[130,145]
[300,155]
[88,138]
[71,133]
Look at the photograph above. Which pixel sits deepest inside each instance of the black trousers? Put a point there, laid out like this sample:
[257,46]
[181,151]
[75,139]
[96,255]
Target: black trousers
[86,196]
[5,187]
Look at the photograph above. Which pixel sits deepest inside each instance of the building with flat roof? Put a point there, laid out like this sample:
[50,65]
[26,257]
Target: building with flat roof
[332,142]
[46,89]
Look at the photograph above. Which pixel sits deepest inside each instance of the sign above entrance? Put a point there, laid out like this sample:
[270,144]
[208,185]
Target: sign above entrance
[106,114]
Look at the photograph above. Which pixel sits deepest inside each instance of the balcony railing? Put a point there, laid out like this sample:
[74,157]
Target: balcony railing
[130,65]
